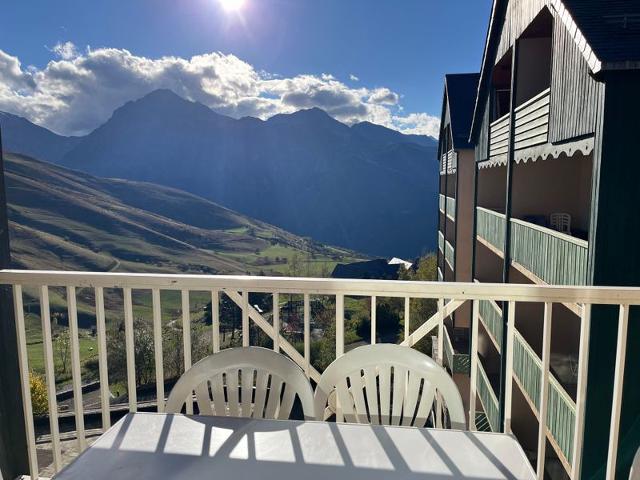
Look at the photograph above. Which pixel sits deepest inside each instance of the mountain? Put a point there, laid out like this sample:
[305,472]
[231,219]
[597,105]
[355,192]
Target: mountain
[68,220]
[364,187]
[20,135]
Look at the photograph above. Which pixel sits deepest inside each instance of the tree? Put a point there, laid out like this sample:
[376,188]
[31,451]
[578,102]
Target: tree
[143,353]
[63,349]
[295,265]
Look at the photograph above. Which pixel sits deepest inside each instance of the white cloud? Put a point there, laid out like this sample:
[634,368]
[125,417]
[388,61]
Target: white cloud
[384,96]
[66,50]
[418,123]
[353,78]
[79,90]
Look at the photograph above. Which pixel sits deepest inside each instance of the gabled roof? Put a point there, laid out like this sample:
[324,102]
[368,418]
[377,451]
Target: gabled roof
[461,89]
[610,29]
[607,33]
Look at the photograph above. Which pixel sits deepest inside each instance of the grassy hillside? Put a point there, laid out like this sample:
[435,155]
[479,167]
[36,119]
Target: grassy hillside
[66,220]
[62,219]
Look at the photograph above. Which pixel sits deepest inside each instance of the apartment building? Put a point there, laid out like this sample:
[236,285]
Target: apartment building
[553,200]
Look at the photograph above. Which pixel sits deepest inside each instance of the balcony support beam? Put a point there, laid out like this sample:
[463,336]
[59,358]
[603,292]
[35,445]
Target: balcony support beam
[507,231]
[14,458]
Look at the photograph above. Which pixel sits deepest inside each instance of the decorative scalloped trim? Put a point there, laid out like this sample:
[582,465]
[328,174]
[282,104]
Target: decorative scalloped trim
[543,152]
[549,150]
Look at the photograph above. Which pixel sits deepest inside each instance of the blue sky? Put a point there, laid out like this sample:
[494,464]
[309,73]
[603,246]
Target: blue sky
[398,51]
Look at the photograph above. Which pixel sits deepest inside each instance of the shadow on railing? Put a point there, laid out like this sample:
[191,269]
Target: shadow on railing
[564,420]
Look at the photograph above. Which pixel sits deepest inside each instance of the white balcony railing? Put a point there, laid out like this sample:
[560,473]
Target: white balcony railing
[531,126]
[441,203]
[37,287]
[451,207]
[448,162]
[449,254]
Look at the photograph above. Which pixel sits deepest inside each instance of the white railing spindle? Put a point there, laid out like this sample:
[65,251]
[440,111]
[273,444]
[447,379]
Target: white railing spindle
[475,319]
[544,390]
[407,320]
[245,318]
[508,390]
[581,390]
[24,376]
[618,384]
[157,347]
[374,312]
[215,320]
[186,341]
[441,333]
[102,358]
[276,321]
[307,334]
[76,372]
[130,350]
[339,325]
[50,374]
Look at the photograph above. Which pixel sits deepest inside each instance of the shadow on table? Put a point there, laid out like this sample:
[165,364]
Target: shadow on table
[225,447]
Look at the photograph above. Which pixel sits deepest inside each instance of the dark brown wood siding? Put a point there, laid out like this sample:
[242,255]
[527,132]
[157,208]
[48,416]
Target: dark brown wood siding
[575,95]
[519,15]
[482,147]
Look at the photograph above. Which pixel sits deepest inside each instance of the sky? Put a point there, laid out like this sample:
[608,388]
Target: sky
[68,64]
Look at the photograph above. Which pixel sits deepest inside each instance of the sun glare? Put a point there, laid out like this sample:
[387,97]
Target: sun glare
[232,5]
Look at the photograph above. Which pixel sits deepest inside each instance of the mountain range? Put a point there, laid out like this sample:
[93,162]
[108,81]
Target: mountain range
[63,219]
[363,187]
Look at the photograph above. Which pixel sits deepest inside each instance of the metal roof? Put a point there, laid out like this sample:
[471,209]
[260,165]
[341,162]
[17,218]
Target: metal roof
[607,33]
[461,89]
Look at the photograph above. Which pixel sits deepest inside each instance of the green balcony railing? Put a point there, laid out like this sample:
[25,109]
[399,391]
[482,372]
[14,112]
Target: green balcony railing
[561,412]
[491,227]
[491,316]
[449,253]
[441,203]
[448,349]
[451,207]
[553,257]
[488,399]
[457,362]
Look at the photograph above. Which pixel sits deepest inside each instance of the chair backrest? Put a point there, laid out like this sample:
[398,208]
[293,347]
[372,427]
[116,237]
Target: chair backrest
[389,385]
[244,382]
[634,474]
[560,222]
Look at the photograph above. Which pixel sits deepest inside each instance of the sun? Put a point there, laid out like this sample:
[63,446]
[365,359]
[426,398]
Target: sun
[232,5]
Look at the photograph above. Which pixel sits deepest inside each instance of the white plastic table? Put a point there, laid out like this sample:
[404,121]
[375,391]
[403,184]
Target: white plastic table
[159,446]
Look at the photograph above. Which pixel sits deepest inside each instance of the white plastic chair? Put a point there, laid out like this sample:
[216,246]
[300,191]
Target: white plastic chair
[244,382]
[404,380]
[561,222]
[634,473]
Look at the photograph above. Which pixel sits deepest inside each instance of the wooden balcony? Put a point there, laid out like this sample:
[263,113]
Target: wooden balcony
[553,257]
[527,368]
[457,362]
[491,316]
[542,254]
[490,227]
[449,254]
[531,127]
[448,162]
[451,207]
[114,295]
